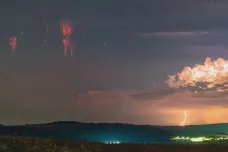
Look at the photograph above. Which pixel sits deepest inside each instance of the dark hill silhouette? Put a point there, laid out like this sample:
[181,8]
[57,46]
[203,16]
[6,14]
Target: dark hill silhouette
[110,131]
[89,131]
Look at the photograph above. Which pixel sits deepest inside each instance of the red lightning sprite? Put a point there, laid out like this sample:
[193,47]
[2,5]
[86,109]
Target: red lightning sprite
[47,27]
[66,30]
[13,43]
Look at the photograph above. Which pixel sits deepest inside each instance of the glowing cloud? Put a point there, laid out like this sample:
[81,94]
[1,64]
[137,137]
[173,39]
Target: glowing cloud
[160,107]
[210,75]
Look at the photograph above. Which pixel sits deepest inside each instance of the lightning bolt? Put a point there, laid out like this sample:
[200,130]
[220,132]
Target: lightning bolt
[185,119]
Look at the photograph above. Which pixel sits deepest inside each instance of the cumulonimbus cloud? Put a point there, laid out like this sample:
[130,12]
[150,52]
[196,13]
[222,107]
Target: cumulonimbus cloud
[210,75]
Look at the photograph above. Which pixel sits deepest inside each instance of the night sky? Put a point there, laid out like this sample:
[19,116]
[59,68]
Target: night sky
[124,51]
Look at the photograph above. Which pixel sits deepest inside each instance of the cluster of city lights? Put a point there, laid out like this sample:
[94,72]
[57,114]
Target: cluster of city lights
[200,139]
[112,142]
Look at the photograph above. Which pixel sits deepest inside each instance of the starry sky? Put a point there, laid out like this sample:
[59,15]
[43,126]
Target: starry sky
[124,51]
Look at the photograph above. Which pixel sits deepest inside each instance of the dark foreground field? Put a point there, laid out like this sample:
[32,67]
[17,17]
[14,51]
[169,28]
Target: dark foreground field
[21,144]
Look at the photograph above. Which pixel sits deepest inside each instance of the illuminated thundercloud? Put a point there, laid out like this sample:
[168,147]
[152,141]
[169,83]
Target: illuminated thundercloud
[211,75]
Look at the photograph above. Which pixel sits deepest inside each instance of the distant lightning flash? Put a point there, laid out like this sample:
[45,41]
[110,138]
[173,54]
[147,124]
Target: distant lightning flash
[185,119]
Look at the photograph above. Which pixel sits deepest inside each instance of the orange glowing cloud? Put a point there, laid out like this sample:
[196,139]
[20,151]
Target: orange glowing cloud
[213,73]
[155,107]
